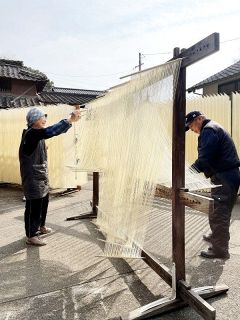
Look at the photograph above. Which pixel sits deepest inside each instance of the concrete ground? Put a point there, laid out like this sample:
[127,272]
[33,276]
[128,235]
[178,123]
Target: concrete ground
[69,279]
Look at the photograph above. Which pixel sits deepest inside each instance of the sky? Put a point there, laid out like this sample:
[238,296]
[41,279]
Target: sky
[90,44]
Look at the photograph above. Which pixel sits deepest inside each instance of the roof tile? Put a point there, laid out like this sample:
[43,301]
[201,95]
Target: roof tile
[10,101]
[16,70]
[228,72]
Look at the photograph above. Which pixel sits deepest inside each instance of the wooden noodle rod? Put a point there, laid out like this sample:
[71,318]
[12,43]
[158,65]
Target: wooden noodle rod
[195,201]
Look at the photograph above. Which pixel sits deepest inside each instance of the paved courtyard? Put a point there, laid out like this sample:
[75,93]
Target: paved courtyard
[69,279]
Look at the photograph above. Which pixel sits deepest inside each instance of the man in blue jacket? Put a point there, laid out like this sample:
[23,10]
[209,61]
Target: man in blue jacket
[34,170]
[217,159]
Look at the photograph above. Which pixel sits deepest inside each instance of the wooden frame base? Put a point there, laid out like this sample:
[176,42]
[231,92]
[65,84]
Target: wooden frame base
[193,297]
[85,215]
[94,203]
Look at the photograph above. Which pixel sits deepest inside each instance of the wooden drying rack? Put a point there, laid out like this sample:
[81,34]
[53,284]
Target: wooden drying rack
[184,294]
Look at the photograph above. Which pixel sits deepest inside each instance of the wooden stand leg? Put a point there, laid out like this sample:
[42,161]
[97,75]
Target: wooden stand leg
[94,203]
[193,297]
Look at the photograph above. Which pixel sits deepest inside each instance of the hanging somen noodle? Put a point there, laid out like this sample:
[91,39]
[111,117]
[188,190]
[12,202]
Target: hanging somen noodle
[127,135]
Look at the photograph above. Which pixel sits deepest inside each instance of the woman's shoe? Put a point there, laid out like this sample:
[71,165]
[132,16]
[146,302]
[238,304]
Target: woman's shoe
[45,230]
[35,241]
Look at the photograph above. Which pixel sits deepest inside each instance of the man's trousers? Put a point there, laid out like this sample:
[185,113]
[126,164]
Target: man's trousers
[224,200]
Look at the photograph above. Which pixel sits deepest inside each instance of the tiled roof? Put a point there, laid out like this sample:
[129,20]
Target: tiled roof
[9,101]
[16,70]
[49,97]
[69,95]
[76,91]
[55,97]
[226,73]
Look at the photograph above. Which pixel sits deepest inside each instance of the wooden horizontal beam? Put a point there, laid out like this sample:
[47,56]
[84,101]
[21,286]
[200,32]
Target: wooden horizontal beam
[189,199]
[200,50]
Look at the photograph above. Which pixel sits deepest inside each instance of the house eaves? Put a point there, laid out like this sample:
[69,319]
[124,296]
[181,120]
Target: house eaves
[224,75]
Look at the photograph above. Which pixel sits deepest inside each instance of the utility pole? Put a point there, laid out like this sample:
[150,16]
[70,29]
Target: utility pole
[140,61]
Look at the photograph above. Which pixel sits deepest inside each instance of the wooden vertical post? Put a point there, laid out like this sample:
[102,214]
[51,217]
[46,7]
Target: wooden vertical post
[95,198]
[178,174]
[94,202]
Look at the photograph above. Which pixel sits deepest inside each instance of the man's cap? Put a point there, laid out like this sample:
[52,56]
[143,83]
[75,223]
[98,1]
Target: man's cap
[190,117]
[33,115]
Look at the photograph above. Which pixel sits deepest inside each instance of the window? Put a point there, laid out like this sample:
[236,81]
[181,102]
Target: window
[5,85]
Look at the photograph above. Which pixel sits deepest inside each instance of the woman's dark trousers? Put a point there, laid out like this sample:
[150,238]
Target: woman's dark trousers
[35,215]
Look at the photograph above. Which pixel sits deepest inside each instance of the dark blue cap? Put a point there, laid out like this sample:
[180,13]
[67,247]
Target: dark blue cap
[190,117]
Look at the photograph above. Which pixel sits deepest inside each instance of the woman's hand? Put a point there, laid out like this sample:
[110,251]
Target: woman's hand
[74,116]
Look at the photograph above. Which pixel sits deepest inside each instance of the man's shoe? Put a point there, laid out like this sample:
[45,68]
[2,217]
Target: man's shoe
[35,241]
[208,237]
[212,254]
[45,230]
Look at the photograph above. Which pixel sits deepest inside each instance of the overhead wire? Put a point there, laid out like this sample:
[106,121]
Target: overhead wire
[64,76]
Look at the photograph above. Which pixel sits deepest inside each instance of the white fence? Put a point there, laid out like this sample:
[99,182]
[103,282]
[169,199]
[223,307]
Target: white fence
[61,149]
[220,108]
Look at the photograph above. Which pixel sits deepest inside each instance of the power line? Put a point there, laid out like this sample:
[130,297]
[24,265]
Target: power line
[230,40]
[153,54]
[90,76]
[124,72]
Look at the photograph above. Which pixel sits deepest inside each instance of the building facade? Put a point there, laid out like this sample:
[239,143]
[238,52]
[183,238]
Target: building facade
[225,81]
[21,86]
